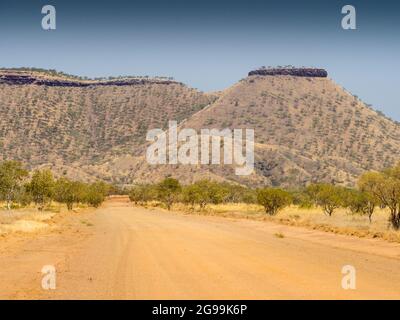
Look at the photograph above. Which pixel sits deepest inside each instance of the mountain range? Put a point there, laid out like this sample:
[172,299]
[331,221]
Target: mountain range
[307,127]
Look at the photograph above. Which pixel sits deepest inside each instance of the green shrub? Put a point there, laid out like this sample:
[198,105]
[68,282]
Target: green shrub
[273,199]
[360,202]
[12,175]
[168,191]
[384,189]
[41,187]
[204,192]
[302,199]
[69,192]
[141,194]
[327,196]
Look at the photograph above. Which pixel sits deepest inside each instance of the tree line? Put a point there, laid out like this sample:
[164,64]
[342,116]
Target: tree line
[19,186]
[373,189]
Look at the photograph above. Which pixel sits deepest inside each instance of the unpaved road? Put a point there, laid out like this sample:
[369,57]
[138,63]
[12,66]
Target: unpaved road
[121,252]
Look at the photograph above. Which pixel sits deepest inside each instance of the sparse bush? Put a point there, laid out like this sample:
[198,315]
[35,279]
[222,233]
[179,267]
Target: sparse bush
[41,187]
[360,202]
[95,193]
[12,175]
[24,197]
[384,188]
[141,194]
[329,197]
[273,200]
[204,192]
[168,191]
[239,194]
[74,192]
[116,190]
[69,192]
[302,199]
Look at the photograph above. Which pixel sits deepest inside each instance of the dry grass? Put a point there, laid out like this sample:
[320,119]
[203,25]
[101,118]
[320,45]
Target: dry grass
[341,222]
[24,220]
[30,219]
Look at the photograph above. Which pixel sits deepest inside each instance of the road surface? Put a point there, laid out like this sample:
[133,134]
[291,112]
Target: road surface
[125,252]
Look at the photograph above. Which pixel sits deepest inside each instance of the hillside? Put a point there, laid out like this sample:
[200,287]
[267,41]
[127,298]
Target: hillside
[70,123]
[307,128]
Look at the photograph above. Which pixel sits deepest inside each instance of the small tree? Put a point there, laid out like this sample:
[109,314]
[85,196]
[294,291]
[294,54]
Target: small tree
[168,190]
[191,195]
[41,187]
[360,202]
[273,200]
[12,175]
[101,187]
[95,194]
[204,192]
[141,194]
[69,192]
[302,198]
[385,188]
[238,194]
[328,196]
[24,197]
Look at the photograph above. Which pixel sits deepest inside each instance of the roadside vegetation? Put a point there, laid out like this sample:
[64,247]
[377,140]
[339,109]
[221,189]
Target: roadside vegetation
[371,209]
[20,188]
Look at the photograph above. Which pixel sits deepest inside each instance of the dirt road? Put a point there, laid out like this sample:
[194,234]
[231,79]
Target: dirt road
[123,252]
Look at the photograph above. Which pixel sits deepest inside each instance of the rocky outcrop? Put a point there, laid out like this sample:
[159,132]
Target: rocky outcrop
[24,78]
[296,72]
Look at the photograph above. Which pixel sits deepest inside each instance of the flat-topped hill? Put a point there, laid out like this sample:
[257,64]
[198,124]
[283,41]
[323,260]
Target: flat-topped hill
[296,72]
[54,119]
[55,79]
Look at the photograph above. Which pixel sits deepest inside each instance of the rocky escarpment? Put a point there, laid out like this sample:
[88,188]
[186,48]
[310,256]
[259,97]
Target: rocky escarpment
[25,78]
[297,72]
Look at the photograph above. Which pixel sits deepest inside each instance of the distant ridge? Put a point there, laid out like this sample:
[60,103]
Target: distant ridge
[18,77]
[297,72]
[74,124]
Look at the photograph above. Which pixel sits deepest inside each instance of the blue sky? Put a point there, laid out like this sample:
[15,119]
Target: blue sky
[210,45]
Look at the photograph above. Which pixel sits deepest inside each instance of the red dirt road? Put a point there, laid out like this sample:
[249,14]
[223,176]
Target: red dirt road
[121,252]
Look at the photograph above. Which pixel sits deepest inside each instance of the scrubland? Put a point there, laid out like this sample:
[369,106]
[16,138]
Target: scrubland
[341,222]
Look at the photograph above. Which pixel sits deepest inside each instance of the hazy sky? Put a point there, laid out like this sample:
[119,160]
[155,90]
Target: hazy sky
[210,45]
